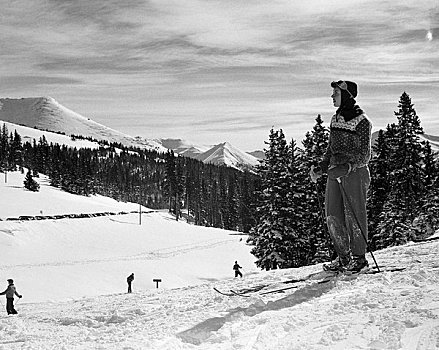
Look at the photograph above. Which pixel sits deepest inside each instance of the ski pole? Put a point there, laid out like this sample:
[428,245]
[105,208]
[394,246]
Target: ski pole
[322,213]
[356,219]
[325,225]
[322,209]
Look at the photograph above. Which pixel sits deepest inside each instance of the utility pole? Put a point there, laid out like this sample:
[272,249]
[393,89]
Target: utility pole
[140,205]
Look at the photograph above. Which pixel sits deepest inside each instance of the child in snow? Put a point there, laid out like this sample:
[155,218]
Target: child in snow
[346,163]
[130,279]
[10,291]
[236,267]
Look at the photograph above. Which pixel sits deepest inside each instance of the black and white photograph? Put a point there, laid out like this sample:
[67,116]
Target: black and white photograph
[219,175]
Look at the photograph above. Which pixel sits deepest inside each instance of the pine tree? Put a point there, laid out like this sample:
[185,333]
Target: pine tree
[315,145]
[427,221]
[405,177]
[30,183]
[408,172]
[274,230]
[380,185]
[298,249]
[4,148]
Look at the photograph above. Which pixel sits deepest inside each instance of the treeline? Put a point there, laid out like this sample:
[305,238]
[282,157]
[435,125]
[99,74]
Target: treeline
[206,194]
[403,196]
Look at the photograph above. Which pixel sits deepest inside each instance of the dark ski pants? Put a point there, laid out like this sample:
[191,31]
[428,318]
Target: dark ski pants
[10,306]
[342,225]
[238,273]
[129,287]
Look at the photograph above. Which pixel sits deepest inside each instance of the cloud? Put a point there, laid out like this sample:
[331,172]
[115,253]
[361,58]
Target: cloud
[221,65]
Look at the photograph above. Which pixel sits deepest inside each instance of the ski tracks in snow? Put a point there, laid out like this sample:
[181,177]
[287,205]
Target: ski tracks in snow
[156,254]
[391,310]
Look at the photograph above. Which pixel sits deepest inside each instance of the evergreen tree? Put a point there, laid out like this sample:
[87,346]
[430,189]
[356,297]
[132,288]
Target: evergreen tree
[315,145]
[4,148]
[408,172]
[405,177]
[380,185]
[273,228]
[298,249]
[30,183]
[428,220]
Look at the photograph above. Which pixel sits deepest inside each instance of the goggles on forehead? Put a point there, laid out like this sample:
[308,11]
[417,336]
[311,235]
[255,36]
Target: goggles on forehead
[342,86]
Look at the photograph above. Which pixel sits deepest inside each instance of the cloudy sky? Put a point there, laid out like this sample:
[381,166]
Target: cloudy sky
[210,71]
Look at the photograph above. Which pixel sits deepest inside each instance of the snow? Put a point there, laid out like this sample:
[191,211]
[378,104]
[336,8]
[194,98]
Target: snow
[72,274]
[45,113]
[225,153]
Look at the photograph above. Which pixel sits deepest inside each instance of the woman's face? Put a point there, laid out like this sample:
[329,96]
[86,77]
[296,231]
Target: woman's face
[336,97]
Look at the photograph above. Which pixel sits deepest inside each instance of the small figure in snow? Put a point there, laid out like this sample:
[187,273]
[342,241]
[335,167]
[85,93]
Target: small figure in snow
[236,267]
[346,163]
[130,279]
[10,292]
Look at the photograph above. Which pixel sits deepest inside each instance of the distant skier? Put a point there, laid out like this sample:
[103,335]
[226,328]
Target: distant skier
[10,291]
[130,279]
[236,267]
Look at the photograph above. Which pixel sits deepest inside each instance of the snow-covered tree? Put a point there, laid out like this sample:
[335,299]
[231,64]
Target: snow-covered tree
[30,183]
[314,223]
[272,221]
[405,176]
[379,185]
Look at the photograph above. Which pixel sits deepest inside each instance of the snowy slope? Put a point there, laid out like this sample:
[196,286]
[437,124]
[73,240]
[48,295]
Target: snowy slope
[108,247]
[226,154]
[29,134]
[72,273]
[46,113]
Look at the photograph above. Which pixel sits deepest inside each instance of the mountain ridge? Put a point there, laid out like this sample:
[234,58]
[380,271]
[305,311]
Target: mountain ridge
[45,113]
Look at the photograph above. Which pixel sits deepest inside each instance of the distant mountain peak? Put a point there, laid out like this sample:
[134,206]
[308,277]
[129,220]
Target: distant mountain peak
[45,113]
[227,154]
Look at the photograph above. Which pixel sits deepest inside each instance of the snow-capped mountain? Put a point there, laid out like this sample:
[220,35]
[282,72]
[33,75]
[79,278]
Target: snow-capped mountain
[226,154]
[45,113]
[221,154]
[183,147]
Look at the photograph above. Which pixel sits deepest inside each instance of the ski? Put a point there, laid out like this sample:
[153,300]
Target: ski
[280,290]
[240,294]
[223,293]
[320,277]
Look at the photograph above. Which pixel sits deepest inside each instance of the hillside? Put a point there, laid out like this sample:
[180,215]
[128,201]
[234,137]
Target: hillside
[71,273]
[90,255]
[45,113]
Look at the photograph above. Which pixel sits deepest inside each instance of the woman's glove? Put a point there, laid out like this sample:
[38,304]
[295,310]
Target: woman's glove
[339,171]
[315,173]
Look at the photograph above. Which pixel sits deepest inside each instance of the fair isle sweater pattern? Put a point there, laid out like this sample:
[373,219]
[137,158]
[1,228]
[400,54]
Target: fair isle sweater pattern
[349,141]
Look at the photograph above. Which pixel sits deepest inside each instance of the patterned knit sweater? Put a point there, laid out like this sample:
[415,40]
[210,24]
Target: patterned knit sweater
[349,142]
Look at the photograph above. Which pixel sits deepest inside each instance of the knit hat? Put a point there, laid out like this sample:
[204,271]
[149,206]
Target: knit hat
[10,280]
[344,85]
